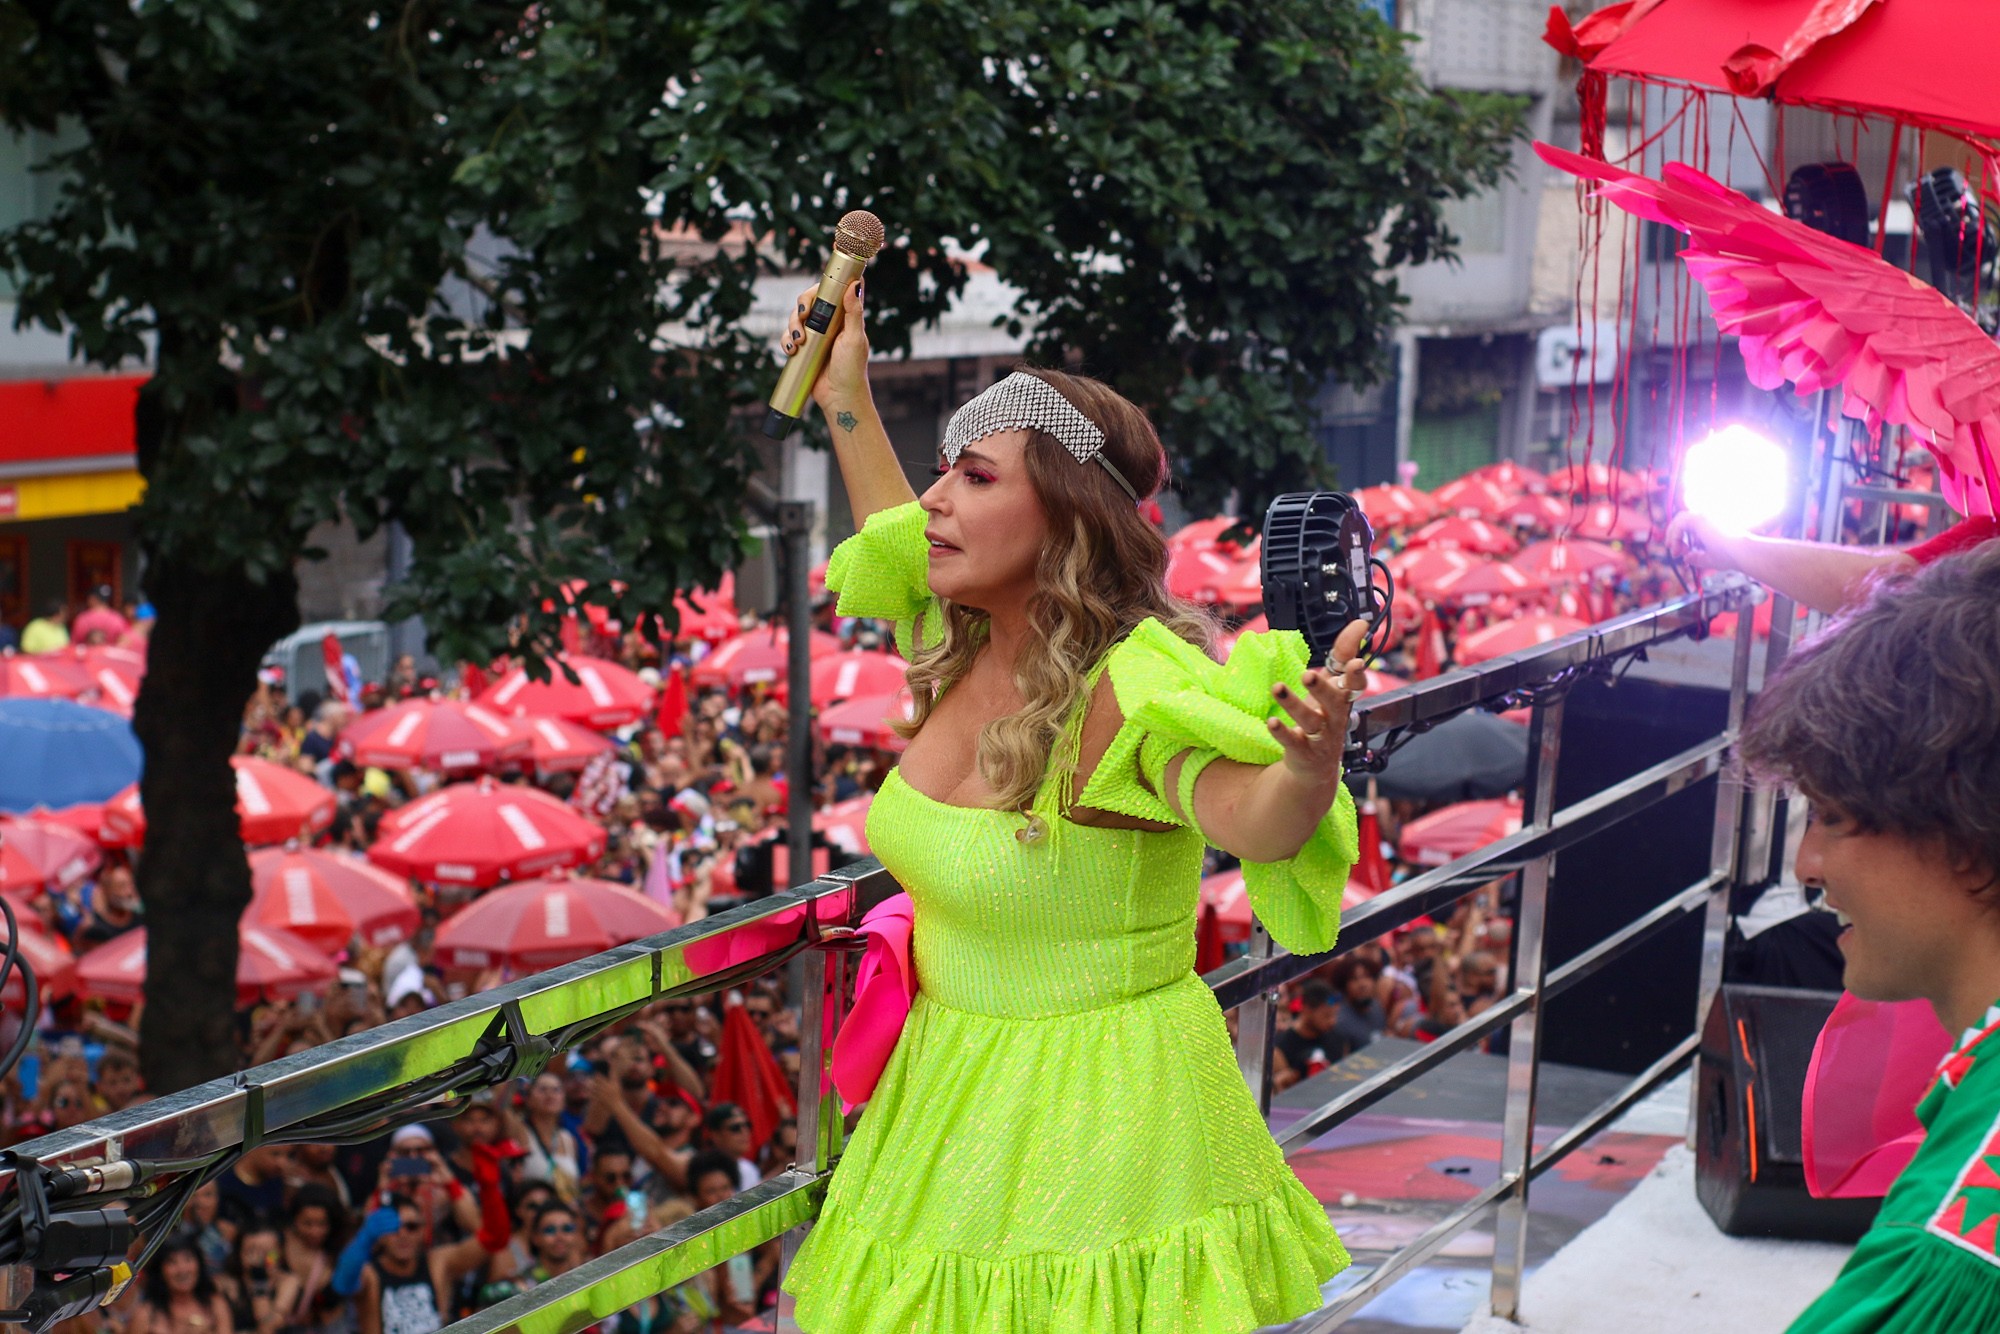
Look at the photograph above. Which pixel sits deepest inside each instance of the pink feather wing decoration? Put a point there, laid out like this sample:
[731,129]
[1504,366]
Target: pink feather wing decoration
[885,984]
[1819,313]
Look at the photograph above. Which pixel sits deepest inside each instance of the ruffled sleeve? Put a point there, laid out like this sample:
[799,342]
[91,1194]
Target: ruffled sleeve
[1176,700]
[883,572]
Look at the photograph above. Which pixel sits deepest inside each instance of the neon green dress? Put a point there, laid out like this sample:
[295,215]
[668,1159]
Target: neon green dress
[1062,1141]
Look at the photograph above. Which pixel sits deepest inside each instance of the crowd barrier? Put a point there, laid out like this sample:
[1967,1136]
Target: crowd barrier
[429,1063]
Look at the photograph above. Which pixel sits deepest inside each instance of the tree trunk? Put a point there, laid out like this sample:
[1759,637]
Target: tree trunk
[201,669]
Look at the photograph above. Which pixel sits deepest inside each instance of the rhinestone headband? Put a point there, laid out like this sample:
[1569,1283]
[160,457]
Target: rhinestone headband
[1024,402]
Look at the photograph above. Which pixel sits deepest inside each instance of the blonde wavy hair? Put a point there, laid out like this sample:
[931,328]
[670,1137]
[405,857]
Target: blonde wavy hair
[1102,572]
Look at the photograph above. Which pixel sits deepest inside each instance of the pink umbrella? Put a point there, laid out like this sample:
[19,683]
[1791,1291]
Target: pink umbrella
[1506,637]
[42,676]
[759,656]
[1472,497]
[484,833]
[270,965]
[604,694]
[845,823]
[374,903]
[543,923]
[1475,535]
[273,805]
[87,819]
[841,676]
[551,745]
[1569,559]
[864,721]
[1391,506]
[441,734]
[1448,834]
[41,854]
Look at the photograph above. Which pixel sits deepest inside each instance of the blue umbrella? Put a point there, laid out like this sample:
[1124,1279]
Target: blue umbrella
[56,753]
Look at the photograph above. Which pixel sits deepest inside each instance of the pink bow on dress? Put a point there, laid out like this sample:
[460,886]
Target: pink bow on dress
[884,986]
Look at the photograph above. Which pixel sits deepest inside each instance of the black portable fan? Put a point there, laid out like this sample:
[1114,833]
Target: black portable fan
[1317,571]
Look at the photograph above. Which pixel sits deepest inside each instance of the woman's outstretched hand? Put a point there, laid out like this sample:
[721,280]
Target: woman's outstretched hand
[843,381]
[1317,735]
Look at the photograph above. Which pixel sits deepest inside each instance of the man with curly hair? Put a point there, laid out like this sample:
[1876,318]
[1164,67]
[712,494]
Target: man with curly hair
[1889,726]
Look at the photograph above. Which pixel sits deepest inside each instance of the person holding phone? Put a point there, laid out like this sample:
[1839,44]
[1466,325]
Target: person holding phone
[259,1292]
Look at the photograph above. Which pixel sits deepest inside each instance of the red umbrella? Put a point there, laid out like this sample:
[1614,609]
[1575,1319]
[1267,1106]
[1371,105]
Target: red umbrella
[1568,559]
[1224,893]
[270,965]
[1448,834]
[1199,573]
[40,854]
[1535,511]
[1599,479]
[1512,636]
[442,734]
[1203,532]
[273,805]
[1475,535]
[1391,506]
[1472,497]
[1210,950]
[542,923]
[604,694]
[484,833]
[1822,314]
[114,673]
[756,656]
[54,965]
[748,1075]
[551,745]
[301,903]
[42,676]
[87,819]
[1920,62]
[855,672]
[1416,569]
[845,823]
[1602,521]
[375,904]
[705,615]
[864,721]
[1512,477]
[1477,585]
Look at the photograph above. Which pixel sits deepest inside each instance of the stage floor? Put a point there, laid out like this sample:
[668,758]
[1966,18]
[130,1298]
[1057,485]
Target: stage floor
[1388,1174]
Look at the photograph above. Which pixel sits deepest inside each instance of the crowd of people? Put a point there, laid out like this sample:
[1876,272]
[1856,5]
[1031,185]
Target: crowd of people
[618,1138]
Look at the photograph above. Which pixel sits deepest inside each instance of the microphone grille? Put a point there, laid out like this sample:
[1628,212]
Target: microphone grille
[859,233]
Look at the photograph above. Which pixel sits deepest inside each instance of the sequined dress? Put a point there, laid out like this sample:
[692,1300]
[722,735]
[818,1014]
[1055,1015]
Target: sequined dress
[1061,1140]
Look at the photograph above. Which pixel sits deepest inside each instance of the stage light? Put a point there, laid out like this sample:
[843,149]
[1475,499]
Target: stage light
[1736,478]
[1829,197]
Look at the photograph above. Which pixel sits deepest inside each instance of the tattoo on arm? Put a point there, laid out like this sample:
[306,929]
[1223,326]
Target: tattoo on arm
[847,421]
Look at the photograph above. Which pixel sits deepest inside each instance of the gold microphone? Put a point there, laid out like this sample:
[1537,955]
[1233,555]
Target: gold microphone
[855,240]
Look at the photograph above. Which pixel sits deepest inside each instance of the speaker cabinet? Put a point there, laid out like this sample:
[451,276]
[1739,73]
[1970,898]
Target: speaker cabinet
[1749,1148]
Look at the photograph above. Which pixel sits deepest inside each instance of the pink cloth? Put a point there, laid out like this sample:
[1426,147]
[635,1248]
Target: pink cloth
[884,986]
[1873,1063]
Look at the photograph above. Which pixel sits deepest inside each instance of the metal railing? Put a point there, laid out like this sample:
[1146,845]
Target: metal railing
[436,1058]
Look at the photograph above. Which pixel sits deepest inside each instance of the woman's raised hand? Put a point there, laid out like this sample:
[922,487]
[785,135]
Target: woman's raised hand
[1314,744]
[843,381]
